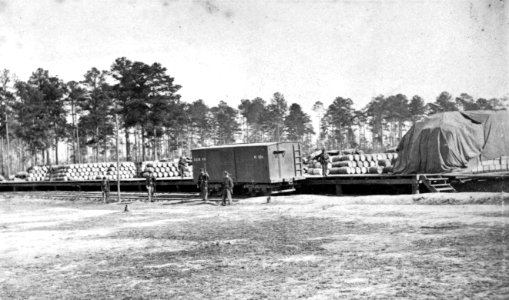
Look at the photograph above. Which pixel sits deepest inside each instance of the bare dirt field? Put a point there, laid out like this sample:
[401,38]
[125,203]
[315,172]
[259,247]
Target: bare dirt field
[298,246]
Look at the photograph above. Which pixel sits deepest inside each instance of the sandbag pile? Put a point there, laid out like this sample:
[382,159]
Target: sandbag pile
[38,173]
[164,169]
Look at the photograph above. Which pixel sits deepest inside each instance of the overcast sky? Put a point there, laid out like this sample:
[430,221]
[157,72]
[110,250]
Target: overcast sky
[307,50]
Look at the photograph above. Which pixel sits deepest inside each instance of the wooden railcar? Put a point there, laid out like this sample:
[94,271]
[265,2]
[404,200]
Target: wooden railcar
[261,167]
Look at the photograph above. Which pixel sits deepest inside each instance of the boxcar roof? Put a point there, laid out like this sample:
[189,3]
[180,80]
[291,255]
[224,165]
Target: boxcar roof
[241,145]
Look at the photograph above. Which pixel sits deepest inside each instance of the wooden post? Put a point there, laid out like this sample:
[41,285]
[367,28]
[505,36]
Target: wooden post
[118,160]
[415,185]
[339,190]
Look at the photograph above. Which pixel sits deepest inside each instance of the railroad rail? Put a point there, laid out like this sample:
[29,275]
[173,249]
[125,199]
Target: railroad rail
[132,184]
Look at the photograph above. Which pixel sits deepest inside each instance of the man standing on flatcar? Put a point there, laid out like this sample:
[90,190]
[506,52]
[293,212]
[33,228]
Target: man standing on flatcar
[182,166]
[323,159]
[105,188]
[227,189]
[203,184]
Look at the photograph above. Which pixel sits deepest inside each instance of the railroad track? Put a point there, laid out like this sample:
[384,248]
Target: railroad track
[125,196]
[170,198]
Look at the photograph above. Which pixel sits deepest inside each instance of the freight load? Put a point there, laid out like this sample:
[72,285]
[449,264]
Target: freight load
[81,172]
[164,169]
[459,141]
[355,163]
[38,173]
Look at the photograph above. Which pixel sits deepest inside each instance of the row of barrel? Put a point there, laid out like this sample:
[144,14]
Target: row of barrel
[79,172]
[165,169]
[38,173]
[376,163]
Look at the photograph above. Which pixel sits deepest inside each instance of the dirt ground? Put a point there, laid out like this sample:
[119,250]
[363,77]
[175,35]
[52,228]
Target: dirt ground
[297,246]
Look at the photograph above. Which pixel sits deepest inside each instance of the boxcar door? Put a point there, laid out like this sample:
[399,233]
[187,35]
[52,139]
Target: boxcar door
[218,161]
[251,164]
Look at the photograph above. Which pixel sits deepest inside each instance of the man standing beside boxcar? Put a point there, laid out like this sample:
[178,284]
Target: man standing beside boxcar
[203,184]
[227,188]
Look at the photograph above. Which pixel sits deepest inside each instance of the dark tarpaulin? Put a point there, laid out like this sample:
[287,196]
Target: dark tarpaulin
[448,141]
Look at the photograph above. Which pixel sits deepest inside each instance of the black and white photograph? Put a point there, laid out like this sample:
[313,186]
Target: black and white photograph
[254,149]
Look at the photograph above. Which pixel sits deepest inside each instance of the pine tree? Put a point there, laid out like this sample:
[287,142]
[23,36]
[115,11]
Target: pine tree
[297,124]
[224,123]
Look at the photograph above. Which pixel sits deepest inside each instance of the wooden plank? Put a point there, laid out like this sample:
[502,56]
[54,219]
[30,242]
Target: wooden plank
[361,181]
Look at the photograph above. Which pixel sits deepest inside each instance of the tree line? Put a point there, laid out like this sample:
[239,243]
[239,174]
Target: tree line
[142,102]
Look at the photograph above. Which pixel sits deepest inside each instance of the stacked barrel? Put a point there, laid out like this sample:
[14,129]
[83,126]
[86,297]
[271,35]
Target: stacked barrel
[376,163]
[164,169]
[96,171]
[80,172]
[315,168]
[38,173]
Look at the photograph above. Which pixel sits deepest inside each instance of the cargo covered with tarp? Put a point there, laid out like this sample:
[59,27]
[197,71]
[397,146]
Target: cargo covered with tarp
[453,141]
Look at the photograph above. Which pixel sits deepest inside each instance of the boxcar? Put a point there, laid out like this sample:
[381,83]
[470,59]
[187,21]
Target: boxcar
[265,167]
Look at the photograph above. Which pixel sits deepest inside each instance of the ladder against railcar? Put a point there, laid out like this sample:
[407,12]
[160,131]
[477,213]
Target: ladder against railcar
[437,184]
[297,159]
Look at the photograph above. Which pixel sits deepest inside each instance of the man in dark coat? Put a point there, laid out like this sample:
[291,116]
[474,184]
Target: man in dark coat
[150,183]
[105,188]
[227,189]
[182,165]
[323,159]
[203,184]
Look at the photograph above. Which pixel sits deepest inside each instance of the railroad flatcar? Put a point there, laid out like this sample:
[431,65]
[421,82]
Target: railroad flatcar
[261,167]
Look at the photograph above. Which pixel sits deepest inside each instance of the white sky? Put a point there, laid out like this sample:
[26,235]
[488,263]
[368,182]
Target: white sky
[307,50]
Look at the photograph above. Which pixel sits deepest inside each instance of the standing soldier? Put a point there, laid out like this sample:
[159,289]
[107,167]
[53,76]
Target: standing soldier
[203,184]
[227,189]
[323,159]
[151,186]
[105,188]
[182,165]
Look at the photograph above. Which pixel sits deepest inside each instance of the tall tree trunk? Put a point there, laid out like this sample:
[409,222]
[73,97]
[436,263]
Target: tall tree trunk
[142,143]
[400,131]
[48,160]
[8,144]
[2,154]
[22,154]
[105,149]
[127,145]
[56,150]
[97,144]
[136,145]
[78,144]
[155,145]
